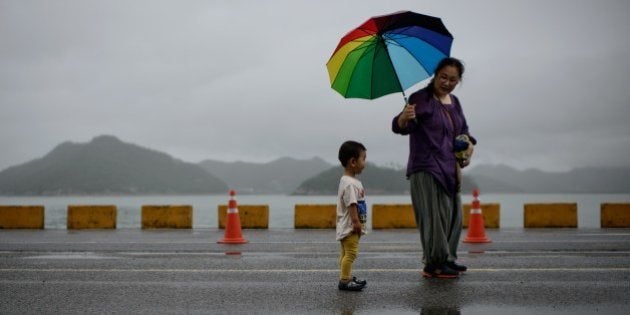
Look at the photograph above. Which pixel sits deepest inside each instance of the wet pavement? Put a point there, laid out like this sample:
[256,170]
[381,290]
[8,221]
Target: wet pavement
[522,271]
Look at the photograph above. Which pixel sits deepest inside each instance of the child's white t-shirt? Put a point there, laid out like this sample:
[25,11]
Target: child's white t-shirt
[350,192]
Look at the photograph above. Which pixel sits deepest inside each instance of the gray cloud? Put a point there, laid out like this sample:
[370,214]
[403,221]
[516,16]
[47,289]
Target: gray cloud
[546,82]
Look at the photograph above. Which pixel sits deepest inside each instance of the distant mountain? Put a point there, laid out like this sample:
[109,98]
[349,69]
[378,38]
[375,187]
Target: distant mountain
[488,178]
[376,180]
[501,178]
[281,176]
[107,165]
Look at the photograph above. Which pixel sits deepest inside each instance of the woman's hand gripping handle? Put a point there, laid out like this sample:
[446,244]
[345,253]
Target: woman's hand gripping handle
[408,114]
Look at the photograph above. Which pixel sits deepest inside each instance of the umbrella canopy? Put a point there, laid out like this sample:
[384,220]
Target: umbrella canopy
[387,54]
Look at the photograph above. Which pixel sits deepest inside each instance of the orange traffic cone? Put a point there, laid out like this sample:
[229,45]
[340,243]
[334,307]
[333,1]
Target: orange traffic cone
[476,229]
[233,233]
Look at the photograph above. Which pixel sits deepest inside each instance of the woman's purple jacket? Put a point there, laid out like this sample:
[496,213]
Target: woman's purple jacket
[431,138]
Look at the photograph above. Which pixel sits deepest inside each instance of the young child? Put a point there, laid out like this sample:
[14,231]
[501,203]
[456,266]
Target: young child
[351,213]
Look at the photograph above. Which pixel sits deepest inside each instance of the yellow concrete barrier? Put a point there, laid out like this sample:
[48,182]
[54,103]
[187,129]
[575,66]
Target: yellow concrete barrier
[393,216]
[550,215]
[491,215]
[167,216]
[21,217]
[252,216]
[615,215]
[91,217]
[315,216]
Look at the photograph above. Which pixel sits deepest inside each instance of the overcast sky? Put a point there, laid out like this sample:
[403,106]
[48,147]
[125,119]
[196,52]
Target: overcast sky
[547,83]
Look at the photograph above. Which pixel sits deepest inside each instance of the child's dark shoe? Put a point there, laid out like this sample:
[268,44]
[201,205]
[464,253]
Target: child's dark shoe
[361,282]
[350,286]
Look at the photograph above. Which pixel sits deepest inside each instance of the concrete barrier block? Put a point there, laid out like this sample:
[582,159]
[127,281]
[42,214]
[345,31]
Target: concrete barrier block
[91,217]
[615,215]
[393,216]
[491,215]
[21,217]
[550,215]
[315,216]
[251,216]
[167,216]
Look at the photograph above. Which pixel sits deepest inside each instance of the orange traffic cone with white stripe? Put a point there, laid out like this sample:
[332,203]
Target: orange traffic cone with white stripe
[476,228]
[233,234]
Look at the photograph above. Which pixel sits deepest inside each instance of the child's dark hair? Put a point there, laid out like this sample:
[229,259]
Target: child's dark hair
[348,150]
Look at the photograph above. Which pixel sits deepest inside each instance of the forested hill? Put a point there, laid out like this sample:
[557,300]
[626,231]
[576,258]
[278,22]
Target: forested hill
[376,180]
[107,165]
[488,178]
[502,178]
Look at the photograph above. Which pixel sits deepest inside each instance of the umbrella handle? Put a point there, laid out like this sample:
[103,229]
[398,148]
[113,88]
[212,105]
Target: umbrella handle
[415,120]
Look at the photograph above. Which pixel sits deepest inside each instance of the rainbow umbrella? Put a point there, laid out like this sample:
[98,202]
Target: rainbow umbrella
[387,54]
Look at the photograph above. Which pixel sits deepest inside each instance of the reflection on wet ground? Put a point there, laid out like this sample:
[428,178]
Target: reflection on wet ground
[560,271]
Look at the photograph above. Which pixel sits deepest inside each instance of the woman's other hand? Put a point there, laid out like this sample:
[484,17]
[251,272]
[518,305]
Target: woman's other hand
[469,154]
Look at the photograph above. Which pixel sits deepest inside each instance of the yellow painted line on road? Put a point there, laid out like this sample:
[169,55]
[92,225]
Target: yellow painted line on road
[602,269]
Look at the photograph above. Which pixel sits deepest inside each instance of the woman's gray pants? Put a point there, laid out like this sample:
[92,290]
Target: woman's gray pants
[438,217]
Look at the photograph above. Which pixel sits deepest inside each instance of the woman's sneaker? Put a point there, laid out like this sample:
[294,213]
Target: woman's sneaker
[350,286]
[456,267]
[443,272]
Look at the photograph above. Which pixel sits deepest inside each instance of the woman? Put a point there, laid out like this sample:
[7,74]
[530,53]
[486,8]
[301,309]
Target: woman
[433,119]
